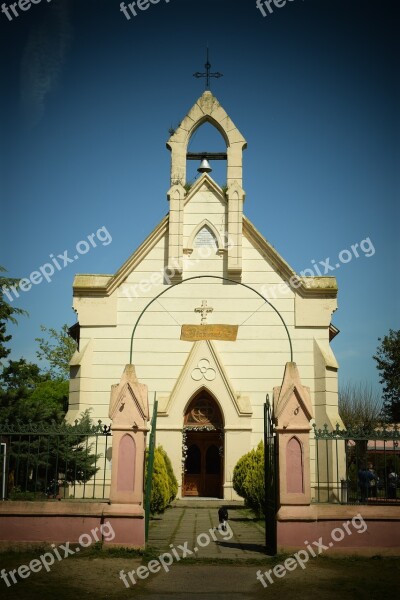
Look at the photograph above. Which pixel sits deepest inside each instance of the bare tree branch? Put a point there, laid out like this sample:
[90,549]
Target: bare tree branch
[360,406]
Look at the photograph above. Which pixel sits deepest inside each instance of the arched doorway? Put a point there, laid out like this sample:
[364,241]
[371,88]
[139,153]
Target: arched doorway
[203,439]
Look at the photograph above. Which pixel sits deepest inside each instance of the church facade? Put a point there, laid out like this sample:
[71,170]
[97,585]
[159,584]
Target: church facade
[189,310]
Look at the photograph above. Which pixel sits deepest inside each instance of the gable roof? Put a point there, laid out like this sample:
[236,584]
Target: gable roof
[105,285]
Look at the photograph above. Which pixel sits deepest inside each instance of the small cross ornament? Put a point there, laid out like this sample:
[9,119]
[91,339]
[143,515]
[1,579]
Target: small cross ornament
[204,309]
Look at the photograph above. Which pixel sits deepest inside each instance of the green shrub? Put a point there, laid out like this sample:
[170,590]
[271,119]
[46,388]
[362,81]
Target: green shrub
[239,474]
[248,479]
[164,485]
[159,498]
[173,484]
[18,494]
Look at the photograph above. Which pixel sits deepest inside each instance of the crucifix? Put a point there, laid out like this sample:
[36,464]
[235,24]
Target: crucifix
[207,74]
[204,309]
[204,331]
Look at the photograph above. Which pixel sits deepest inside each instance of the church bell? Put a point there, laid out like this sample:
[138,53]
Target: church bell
[204,166]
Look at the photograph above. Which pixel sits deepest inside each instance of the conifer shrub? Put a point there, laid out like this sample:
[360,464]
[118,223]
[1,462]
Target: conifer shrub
[239,474]
[248,479]
[173,484]
[164,486]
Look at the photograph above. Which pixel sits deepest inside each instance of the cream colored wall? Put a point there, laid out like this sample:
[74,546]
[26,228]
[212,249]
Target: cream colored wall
[254,363]
[204,205]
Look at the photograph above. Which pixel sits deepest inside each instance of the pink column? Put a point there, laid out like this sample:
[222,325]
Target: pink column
[293,413]
[129,412]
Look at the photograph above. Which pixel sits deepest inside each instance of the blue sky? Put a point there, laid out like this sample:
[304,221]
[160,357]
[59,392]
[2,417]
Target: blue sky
[88,99]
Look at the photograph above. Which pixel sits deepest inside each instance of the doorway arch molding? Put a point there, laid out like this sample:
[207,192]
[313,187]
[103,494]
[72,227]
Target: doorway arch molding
[215,418]
[226,279]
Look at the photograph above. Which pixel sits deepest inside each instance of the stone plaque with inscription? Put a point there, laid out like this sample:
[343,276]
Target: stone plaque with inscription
[194,333]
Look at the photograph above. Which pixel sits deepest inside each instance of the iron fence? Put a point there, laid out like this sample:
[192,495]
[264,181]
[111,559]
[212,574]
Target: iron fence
[357,466]
[40,461]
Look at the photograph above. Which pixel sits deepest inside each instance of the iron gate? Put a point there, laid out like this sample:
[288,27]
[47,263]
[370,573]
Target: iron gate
[270,475]
[149,470]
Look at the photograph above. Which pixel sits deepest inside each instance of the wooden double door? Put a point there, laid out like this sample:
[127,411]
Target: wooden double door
[203,465]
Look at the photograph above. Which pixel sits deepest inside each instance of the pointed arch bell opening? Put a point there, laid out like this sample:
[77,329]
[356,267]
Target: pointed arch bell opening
[206,110]
[207,141]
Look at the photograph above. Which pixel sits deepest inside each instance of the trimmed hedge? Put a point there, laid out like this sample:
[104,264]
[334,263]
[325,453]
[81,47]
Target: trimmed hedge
[164,484]
[248,479]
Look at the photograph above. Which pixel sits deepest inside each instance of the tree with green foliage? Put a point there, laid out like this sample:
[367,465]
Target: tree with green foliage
[77,461]
[21,377]
[42,456]
[57,349]
[48,401]
[7,313]
[387,358]
[18,381]
[249,481]
[26,394]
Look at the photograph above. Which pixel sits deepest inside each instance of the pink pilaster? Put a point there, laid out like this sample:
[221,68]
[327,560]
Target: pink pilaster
[129,412]
[292,414]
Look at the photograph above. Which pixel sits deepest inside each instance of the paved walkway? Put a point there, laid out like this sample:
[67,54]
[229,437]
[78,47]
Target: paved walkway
[188,519]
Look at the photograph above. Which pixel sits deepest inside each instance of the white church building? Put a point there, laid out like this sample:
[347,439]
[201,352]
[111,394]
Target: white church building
[210,347]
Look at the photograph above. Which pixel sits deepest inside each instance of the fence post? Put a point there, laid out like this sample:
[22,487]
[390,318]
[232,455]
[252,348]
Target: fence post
[3,483]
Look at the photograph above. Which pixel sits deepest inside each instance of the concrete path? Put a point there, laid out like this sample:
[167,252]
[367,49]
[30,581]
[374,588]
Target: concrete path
[195,522]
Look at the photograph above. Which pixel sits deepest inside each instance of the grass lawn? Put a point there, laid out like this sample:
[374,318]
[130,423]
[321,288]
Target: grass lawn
[96,574]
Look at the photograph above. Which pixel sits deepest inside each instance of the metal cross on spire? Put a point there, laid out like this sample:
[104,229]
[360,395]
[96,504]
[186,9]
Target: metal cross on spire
[208,73]
[204,309]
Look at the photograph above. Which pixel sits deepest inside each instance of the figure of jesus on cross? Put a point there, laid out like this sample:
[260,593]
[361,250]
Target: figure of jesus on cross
[204,309]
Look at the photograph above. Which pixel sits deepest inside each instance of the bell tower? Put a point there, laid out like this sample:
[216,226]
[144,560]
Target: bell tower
[207,109]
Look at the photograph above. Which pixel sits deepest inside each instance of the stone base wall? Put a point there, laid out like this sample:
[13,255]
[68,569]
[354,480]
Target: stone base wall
[361,530]
[30,523]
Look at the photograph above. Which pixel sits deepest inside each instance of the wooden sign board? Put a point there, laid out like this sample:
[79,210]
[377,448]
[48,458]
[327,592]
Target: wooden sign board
[194,333]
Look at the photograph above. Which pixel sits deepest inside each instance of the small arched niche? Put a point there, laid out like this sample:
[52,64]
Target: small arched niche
[205,235]
[126,464]
[294,466]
